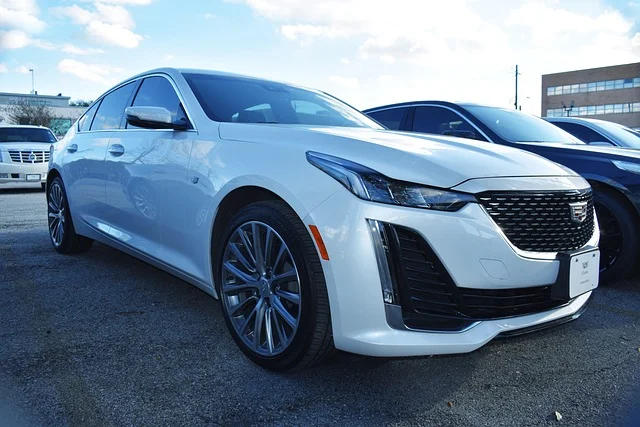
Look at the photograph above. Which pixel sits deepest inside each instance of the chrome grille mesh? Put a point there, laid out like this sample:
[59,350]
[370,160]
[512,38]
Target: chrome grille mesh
[541,221]
[29,156]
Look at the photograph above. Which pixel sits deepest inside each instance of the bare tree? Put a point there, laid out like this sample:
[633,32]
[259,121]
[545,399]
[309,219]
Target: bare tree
[30,113]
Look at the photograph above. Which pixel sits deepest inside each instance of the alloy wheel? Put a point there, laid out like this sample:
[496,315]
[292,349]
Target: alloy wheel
[56,214]
[261,288]
[610,236]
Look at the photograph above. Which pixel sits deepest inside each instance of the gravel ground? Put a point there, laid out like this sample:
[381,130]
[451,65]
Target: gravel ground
[104,339]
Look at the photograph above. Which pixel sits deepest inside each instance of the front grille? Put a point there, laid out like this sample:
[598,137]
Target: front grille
[29,156]
[431,300]
[541,222]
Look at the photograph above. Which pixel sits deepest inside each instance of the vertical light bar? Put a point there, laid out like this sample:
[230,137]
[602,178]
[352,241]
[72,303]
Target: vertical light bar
[381,249]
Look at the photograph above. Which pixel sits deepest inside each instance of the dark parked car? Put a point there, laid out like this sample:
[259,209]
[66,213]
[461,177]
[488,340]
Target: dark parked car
[614,173]
[598,132]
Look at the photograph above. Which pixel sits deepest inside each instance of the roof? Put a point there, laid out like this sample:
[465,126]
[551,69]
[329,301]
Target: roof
[434,102]
[22,126]
[29,95]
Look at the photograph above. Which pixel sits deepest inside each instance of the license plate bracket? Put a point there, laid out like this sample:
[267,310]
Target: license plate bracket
[579,273]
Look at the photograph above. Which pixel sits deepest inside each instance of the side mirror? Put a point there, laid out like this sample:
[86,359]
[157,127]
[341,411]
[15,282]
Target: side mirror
[152,118]
[602,144]
[460,133]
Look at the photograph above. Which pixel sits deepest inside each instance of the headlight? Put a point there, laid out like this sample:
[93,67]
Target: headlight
[627,166]
[370,185]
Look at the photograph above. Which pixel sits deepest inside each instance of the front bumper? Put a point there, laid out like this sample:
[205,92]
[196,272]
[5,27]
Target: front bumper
[469,244]
[16,173]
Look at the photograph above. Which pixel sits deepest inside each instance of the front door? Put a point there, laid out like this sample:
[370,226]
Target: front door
[147,174]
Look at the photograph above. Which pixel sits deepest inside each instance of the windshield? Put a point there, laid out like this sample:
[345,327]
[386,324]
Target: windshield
[9,134]
[622,134]
[245,100]
[515,126]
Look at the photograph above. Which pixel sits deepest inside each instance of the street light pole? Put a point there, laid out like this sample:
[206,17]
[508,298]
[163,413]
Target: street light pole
[33,81]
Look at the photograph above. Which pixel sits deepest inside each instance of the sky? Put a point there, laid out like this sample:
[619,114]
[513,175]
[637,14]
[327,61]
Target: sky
[366,52]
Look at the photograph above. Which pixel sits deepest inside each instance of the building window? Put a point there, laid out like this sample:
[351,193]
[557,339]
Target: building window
[551,91]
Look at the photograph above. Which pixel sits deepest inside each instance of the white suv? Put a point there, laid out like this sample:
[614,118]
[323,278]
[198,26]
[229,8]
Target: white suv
[317,228]
[24,154]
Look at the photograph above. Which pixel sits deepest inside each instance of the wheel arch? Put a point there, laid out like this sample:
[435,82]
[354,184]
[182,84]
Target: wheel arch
[53,172]
[617,189]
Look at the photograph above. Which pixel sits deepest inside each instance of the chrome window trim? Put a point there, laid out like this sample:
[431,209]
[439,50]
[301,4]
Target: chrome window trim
[126,82]
[435,105]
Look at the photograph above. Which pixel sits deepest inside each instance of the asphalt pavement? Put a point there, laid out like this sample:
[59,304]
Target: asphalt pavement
[102,339]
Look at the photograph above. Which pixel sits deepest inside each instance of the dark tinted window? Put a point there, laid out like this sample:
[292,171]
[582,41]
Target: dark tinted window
[581,132]
[158,92]
[443,121]
[9,134]
[85,121]
[391,118]
[515,126]
[239,99]
[112,107]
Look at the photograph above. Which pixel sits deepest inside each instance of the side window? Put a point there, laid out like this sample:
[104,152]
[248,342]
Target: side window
[391,118]
[112,107]
[582,132]
[85,121]
[158,92]
[443,121]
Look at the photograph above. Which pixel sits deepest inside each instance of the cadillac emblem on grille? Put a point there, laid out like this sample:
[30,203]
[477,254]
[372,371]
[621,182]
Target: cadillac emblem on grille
[578,212]
[32,157]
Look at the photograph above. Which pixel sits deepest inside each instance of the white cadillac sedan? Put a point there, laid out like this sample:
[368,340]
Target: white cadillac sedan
[24,154]
[316,227]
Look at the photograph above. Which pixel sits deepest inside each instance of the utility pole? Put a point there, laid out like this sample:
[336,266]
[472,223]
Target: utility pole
[33,81]
[516,102]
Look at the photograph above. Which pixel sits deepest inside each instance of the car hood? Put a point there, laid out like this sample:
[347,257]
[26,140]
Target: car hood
[426,159]
[613,153]
[35,146]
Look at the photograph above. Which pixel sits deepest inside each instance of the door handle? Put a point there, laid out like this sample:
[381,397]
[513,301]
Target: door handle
[116,150]
[72,148]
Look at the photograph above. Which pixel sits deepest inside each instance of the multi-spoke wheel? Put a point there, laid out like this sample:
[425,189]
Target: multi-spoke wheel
[619,230]
[272,288]
[261,288]
[56,214]
[61,231]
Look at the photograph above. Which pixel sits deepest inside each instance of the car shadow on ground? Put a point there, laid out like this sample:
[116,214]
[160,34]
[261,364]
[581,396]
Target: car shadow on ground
[21,190]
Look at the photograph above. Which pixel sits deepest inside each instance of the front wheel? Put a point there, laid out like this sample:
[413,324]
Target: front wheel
[61,231]
[272,288]
[619,233]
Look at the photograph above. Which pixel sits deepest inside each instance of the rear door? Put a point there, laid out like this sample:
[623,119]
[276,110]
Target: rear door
[84,158]
[147,177]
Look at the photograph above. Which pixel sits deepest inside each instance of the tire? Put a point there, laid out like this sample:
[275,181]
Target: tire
[61,231]
[616,220]
[270,287]
[43,185]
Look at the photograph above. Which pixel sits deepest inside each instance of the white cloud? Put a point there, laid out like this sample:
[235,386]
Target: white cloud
[345,61]
[3,68]
[210,16]
[458,49]
[16,39]
[23,69]
[348,82]
[113,35]
[169,57]
[74,50]
[107,22]
[21,14]
[97,73]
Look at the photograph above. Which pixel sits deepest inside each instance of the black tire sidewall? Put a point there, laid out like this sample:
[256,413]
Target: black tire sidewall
[264,213]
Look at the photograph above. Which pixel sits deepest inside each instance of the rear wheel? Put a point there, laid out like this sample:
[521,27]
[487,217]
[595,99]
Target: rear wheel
[61,231]
[619,233]
[272,288]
